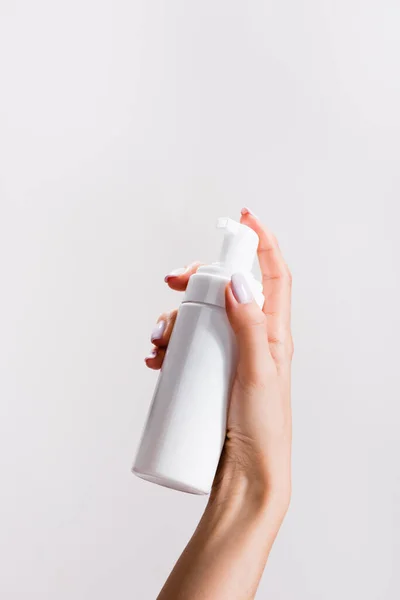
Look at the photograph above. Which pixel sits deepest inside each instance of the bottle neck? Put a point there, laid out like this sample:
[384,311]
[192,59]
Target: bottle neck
[208,285]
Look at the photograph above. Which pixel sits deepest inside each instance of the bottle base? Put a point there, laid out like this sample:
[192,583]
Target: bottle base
[169,483]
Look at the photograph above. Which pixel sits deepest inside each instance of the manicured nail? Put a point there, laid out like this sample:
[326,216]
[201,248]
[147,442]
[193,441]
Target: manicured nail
[175,273]
[241,288]
[152,354]
[158,330]
[246,211]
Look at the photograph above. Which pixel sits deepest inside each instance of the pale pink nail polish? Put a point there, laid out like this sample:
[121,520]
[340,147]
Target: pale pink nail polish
[158,330]
[175,273]
[152,354]
[246,211]
[241,289]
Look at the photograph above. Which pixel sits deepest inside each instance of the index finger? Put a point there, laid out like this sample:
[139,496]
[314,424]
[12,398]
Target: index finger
[179,278]
[276,280]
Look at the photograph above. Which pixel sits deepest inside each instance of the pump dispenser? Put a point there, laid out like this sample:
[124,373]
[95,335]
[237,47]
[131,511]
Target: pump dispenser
[186,426]
[239,246]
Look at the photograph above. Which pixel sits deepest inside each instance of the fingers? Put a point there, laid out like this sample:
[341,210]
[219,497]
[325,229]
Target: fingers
[249,324]
[156,358]
[160,337]
[178,279]
[163,329]
[276,279]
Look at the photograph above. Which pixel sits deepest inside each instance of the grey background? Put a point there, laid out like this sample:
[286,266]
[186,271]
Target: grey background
[127,127]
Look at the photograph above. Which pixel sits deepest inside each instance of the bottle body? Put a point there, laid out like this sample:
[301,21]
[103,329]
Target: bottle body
[186,425]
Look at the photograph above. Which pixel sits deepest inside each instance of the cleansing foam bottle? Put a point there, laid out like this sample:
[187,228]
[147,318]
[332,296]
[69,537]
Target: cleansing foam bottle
[186,425]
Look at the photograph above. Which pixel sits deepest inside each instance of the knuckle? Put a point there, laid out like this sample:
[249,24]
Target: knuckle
[282,274]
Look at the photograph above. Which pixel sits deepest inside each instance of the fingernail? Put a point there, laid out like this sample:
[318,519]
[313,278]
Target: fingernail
[175,273]
[241,288]
[152,354]
[158,330]
[246,211]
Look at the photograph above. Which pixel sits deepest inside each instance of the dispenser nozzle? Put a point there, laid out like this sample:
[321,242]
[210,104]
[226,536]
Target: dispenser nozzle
[239,246]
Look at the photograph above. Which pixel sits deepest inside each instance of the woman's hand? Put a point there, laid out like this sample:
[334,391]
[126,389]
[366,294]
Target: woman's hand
[252,484]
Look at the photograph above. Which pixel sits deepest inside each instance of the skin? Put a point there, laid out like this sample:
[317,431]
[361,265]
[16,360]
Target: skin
[226,556]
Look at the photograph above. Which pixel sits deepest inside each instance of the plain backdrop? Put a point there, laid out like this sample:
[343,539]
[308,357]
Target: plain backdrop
[126,128]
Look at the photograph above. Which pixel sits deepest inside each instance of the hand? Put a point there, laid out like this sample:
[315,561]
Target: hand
[256,457]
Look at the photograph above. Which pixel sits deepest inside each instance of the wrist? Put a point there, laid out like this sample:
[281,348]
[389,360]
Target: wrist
[237,492]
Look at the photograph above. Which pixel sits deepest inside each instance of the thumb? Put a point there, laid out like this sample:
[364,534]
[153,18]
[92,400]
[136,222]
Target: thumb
[249,325]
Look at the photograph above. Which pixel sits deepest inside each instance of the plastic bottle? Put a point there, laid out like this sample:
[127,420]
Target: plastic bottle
[186,426]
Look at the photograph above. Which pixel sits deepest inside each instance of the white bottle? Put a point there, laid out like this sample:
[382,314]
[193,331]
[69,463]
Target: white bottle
[186,425]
